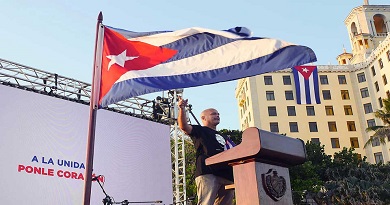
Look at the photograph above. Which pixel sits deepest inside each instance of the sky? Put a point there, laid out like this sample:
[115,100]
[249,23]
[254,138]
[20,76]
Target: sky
[59,36]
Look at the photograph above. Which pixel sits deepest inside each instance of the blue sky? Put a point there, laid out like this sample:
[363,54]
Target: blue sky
[58,36]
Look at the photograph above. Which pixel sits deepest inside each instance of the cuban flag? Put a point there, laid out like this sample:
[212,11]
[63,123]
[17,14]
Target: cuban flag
[229,144]
[306,84]
[137,63]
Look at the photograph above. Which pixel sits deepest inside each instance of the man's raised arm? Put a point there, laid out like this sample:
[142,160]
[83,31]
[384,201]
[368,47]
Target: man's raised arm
[182,118]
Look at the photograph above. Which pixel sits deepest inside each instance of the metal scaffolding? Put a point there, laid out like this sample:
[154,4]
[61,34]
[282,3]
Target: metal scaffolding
[162,109]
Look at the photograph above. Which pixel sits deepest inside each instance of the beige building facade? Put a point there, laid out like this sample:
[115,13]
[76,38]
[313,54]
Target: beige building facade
[350,92]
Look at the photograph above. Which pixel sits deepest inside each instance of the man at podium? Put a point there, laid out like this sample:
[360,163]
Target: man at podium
[210,181]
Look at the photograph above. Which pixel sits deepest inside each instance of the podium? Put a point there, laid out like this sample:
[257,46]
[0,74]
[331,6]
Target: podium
[260,166]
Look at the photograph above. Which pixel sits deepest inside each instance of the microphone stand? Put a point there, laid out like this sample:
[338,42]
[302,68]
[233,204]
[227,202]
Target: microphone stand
[190,111]
[189,199]
[108,200]
[126,202]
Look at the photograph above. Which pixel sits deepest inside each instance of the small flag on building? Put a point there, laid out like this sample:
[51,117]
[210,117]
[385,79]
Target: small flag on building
[306,84]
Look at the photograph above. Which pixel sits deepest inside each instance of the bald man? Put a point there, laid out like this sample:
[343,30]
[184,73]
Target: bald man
[210,182]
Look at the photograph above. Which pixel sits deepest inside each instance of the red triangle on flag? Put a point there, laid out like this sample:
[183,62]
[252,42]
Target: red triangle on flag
[305,71]
[121,55]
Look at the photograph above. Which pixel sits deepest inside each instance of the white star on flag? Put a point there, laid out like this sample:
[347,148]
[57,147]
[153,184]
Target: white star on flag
[305,70]
[119,59]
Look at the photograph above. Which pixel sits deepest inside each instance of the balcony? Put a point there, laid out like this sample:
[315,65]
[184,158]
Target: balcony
[381,34]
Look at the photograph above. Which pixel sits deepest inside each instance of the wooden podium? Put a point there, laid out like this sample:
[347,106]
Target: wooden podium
[260,166]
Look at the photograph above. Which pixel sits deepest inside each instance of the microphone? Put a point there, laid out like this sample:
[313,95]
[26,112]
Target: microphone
[96,178]
[191,198]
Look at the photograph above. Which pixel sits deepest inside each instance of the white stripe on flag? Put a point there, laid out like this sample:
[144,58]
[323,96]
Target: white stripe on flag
[229,54]
[302,88]
[312,90]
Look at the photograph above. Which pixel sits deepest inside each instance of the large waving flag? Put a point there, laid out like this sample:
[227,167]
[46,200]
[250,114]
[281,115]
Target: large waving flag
[306,84]
[135,63]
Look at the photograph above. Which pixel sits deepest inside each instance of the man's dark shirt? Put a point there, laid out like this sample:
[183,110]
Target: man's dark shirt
[206,145]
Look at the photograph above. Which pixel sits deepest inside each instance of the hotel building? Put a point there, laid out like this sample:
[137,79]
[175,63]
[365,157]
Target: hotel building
[350,92]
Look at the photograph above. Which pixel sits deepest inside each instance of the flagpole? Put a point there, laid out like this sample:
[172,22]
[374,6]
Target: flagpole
[93,107]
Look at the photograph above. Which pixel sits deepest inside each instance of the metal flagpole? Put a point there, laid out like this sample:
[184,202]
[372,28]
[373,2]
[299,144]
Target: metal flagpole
[93,107]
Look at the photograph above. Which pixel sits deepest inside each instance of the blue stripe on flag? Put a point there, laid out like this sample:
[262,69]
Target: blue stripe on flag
[132,34]
[208,41]
[316,86]
[297,87]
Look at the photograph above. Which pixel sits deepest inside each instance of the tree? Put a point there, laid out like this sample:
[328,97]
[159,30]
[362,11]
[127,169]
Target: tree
[235,135]
[316,154]
[304,181]
[308,179]
[381,132]
[354,181]
[190,160]
[345,180]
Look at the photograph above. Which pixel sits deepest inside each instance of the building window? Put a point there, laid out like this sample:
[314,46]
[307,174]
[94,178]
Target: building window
[380,63]
[324,79]
[373,71]
[289,95]
[351,125]
[268,80]
[388,55]
[315,140]
[326,95]
[291,111]
[378,157]
[342,79]
[380,102]
[344,94]
[367,108]
[293,126]
[310,111]
[348,110]
[329,110]
[354,142]
[335,142]
[384,79]
[364,92]
[332,126]
[375,141]
[313,127]
[270,95]
[272,111]
[361,77]
[371,123]
[376,86]
[274,127]
[286,80]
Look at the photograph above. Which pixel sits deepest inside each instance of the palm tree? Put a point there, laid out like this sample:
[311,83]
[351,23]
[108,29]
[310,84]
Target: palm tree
[381,132]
